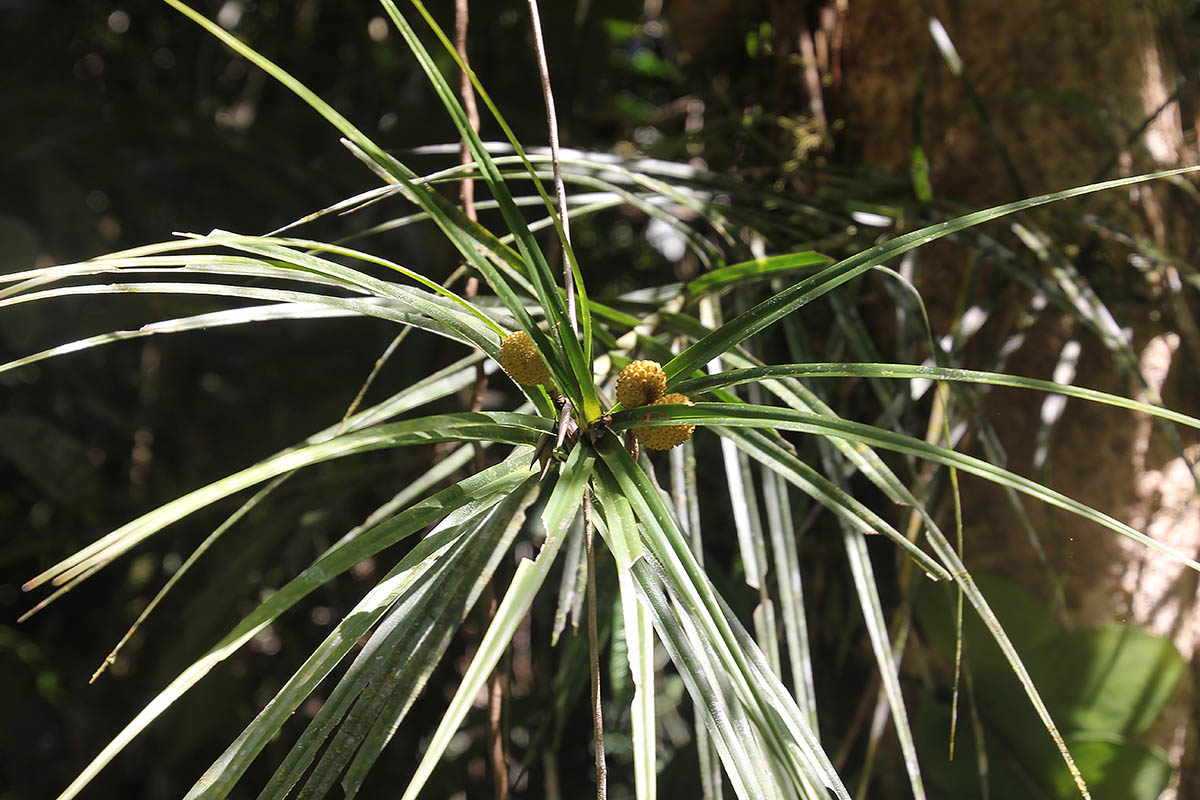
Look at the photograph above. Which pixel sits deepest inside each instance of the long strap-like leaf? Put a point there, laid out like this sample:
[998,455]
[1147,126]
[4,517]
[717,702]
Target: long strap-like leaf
[774,308]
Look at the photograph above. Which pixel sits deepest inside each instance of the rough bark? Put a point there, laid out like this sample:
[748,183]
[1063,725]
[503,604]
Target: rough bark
[1029,59]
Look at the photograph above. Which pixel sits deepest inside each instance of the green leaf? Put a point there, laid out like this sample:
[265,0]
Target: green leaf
[1110,680]
[1028,618]
[215,319]
[581,389]
[744,415]
[844,505]
[866,587]
[560,510]
[459,230]
[771,310]
[639,642]
[758,269]
[441,321]
[1115,770]
[343,555]
[797,759]
[496,426]
[417,643]
[700,385]
[685,498]
[420,579]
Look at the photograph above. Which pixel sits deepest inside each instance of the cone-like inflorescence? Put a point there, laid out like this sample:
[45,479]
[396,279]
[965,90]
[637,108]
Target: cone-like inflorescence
[522,361]
[641,383]
[664,437]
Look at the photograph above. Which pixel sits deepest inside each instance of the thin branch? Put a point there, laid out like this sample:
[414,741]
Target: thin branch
[560,191]
[466,194]
[594,649]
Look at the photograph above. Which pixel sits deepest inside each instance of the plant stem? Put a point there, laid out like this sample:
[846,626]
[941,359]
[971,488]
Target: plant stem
[594,650]
[466,195]
[560,191]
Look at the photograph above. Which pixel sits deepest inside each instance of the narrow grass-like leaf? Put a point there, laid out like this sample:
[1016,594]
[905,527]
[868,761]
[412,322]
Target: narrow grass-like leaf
[771,310]
[420,664]
[215,319]
[411,583]
[560,510]
[520,231]
[503,427]
[739,748]
[686,499]
[715,701]
[810,481]
[866,587]
[758,269]
[778,514]
[639,640]
[580,390]
[797,757]
[458,327]
[284,249]
[725,414]
[409,652]
[343,555]
[459,230]
[570,588]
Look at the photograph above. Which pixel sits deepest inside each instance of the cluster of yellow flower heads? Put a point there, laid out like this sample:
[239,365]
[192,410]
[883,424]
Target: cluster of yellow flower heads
[641,383]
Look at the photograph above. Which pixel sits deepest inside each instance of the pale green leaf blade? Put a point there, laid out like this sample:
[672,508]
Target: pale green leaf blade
[787,301]
[557,516]
[503,427]
[700,385]
[626,547]
[340,557]
[726,414]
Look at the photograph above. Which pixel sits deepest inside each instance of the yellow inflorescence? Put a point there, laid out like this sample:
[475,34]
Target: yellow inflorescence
[522,361]
[641,383]
[664,437]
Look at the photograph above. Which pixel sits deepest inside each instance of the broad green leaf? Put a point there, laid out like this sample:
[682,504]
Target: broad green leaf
[1094,680]
[1110,680]
[1115,771]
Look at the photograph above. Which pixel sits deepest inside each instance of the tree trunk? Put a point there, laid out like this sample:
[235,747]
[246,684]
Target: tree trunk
[1062,81]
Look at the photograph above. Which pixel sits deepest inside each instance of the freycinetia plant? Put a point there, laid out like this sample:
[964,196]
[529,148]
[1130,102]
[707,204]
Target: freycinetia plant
[602,387]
